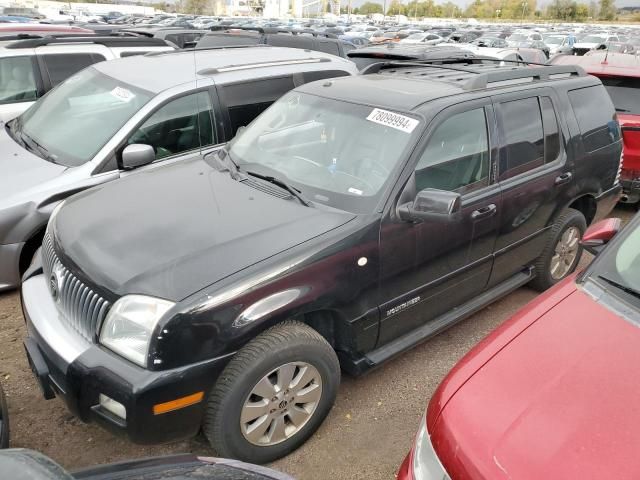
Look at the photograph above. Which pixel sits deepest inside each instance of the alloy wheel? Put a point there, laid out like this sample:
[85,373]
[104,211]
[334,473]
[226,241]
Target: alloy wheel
[565,253]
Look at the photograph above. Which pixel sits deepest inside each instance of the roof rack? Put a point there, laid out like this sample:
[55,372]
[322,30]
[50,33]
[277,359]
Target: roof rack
[475,77]
[542,73]
[106,40]
[247,66]
[182,50]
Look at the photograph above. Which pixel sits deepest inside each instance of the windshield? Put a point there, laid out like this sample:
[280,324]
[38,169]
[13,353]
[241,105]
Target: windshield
[337,153]
[592,39]
[76,119]
[620,265]
[624,93]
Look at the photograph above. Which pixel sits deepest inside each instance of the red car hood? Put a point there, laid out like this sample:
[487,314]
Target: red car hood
[559,401]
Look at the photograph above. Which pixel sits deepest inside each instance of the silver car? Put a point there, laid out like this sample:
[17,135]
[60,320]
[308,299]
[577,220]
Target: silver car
[132,114]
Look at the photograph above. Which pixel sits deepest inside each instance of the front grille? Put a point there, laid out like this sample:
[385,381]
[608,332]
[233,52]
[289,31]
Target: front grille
[79,306]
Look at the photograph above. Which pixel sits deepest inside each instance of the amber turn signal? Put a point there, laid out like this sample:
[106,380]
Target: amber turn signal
[178,403]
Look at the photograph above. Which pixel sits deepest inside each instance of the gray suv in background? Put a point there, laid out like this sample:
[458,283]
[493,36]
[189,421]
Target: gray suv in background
[132,114]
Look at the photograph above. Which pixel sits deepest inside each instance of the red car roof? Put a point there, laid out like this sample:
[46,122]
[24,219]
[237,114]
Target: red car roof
[600,64]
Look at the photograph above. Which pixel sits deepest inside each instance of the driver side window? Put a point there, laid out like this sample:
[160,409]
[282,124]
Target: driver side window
[181,125]
[456,158]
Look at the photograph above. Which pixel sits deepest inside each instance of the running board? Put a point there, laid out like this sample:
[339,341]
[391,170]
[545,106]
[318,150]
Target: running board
[411,339]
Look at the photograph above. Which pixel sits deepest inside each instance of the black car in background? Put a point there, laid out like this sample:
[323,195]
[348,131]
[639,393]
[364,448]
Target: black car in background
[351,220]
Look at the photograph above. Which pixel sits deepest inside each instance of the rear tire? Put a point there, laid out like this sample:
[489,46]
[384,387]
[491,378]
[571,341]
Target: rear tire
[562,252]
[273,395]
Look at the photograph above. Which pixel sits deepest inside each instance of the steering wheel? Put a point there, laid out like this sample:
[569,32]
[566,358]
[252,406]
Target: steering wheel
[369,163]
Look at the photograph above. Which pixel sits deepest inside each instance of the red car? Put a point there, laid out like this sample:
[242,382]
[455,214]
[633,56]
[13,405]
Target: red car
[553,393]
[620,74]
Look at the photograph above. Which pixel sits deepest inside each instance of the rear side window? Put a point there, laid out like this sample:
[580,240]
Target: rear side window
[245,101]
[596,117]
[624,93]
[17,80]
[62,65]
[523,138]
[291,41]
[551,131]
[328,47]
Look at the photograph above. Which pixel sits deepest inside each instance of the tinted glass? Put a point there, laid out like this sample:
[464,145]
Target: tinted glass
[62,66]
[596,117]
[179,126]
[457,155]
[328,47]
[624,93]
[75,120]
[292,41]
[551,133]
[523,144]
[17,80]
[245,101]
[227,40]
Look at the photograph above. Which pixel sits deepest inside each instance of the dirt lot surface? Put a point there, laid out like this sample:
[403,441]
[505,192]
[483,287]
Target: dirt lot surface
[366,435]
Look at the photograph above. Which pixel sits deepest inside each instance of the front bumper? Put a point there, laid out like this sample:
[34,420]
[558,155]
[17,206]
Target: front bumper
[67,365]
[10,265]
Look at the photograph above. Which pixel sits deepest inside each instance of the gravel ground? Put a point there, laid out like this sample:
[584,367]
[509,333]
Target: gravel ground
[366,435]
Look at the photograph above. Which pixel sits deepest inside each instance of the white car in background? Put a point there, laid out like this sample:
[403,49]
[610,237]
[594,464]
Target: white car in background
[593,42]
[424,38]
[558,44]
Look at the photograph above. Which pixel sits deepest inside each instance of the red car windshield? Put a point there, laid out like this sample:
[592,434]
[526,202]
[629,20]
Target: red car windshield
[624,93]
[619,265]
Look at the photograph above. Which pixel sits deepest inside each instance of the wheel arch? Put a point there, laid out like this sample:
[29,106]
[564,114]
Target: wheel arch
[587,205]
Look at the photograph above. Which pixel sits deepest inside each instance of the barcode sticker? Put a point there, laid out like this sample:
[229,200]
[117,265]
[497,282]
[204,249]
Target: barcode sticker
[393,120]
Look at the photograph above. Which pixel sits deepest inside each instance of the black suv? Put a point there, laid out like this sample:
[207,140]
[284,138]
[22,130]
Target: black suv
[350,221]
[306,39]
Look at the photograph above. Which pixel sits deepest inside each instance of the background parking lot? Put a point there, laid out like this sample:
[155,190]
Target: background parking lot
[367,434]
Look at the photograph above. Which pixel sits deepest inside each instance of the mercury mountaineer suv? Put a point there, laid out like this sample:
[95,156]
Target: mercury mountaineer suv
[350,221]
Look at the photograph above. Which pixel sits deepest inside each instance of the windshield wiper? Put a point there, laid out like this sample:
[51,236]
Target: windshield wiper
[36,147]
[624,288]
[621,110]
[276,181]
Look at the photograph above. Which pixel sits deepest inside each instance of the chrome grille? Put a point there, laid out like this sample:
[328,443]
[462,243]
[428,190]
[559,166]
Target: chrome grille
[79,306]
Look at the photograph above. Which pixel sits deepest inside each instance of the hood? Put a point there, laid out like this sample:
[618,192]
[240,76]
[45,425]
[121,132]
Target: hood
[173,230]
[21,169]
[559,401]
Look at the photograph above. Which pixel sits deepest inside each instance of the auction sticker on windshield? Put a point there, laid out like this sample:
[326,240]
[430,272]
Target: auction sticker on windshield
[393,120]
[122,94]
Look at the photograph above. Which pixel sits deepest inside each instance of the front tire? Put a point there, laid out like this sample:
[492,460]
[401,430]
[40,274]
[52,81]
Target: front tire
[562,252]
[273,394]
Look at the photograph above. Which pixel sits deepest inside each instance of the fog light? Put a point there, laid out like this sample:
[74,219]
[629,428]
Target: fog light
[110,405]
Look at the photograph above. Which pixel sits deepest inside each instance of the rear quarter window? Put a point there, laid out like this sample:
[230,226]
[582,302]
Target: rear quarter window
[596,117]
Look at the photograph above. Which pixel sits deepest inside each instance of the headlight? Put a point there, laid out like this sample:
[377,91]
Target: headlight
[129,325]
[426,464]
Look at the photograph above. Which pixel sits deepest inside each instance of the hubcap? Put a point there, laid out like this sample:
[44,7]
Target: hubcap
[280,404]
[565,254]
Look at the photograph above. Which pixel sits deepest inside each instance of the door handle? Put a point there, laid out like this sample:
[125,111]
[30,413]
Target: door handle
[564,178]
[484,212]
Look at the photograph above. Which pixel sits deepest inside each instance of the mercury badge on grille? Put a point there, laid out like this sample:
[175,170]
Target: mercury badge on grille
[55,282]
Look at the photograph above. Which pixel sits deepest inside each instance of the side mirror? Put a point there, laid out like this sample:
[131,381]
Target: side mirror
[431,204]
[136,155]
[599,234]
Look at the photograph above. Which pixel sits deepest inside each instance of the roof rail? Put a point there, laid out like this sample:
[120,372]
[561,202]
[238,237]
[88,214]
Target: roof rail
[107,41]
[182,50]
[247,66]
[542,73]
[435,63]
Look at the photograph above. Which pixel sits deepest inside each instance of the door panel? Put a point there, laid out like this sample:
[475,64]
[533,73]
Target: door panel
[534,178]
[429,267]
